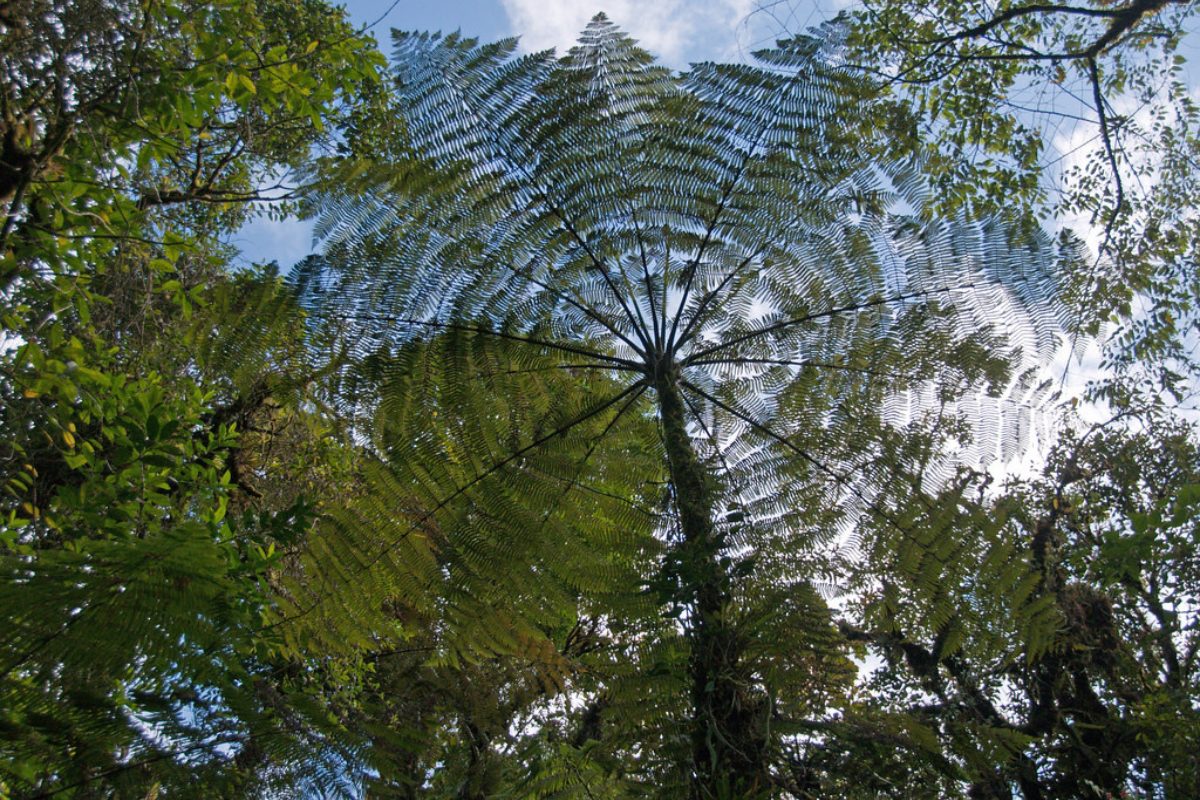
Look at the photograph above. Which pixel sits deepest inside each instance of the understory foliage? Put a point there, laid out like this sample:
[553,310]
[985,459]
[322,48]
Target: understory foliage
[1079,109]
[158,429]
[621,441]
[1051,650]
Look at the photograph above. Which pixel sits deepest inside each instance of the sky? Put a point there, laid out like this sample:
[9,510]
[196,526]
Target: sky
[678,32]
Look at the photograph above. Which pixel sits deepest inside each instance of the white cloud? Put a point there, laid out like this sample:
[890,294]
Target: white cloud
[676,31]
[285,241]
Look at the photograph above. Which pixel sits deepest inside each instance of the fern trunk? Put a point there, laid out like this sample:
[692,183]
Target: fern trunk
[727,736]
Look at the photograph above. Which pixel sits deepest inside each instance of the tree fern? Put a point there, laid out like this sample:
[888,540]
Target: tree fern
[708,253]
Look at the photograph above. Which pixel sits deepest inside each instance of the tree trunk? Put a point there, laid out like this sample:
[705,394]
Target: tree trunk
[728,741]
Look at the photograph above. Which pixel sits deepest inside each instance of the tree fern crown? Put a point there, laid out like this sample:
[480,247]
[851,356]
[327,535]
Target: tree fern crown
[723,227]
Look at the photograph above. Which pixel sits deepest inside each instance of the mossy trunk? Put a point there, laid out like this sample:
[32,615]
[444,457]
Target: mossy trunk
[728,742]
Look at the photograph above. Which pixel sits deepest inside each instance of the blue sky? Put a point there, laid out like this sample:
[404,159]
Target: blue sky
[483,18]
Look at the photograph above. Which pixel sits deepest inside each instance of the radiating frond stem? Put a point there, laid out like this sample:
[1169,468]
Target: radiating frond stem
[499,465]
[573,481]
[622,499]
[632,210]
[782,362]
[726,194]
[654,315]
[852,308]
[694,264]
[664,300]
[698,317]
[657,337]
[551,368]
[708,433]
[637,322]
[582,307]
[434,325]
[518,165]
[840,480]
